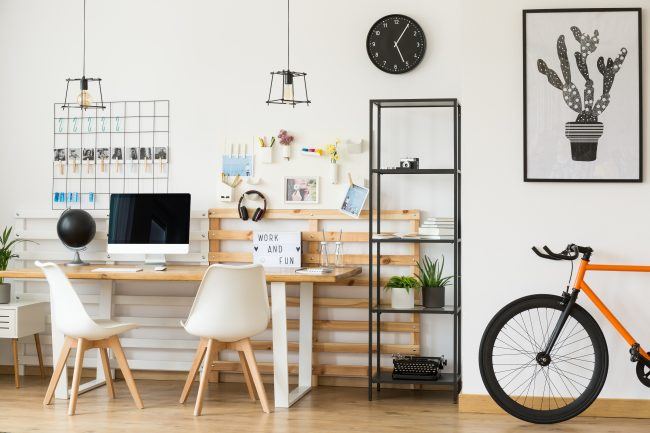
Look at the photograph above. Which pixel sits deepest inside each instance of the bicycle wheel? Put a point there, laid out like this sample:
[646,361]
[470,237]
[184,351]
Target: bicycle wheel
[528,389]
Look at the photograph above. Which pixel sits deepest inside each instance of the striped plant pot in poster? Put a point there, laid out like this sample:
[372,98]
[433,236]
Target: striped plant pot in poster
[584,139]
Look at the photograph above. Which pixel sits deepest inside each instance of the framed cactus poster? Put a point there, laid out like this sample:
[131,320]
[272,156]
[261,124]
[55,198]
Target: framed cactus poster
[582,95]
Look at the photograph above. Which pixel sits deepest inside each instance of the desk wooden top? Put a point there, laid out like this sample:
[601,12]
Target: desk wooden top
[179,273]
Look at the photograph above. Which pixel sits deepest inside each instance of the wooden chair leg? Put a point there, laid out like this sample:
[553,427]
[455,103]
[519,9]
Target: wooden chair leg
[76,377]
[37,340]
[103,354]
[58,369]
[247,375]
[203,384]
[257,378]
[114,343]
[14,344]
[198,357]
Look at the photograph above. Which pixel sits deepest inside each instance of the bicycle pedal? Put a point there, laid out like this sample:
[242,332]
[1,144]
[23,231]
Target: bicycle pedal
[634,353]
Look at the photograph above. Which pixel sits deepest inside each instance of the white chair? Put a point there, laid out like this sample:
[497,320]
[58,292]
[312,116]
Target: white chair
[231,306]
[83,333]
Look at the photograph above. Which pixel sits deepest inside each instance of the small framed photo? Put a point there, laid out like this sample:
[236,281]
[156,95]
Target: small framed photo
[103,153]
[59,155]
[88,156]
[145,154]
[160,154]
[116,154]
[301,189]
[74,155]
[132,155]
[354,200]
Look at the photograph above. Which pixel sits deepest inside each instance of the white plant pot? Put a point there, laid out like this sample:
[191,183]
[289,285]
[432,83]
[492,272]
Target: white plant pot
[400,298]
[334,173]
[266,155]
[286,151]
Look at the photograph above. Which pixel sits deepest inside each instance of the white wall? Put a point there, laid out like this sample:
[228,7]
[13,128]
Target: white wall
[504,216]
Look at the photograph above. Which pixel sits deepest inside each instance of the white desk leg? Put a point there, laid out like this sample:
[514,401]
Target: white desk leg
[280,345]
[305,343]
[105,311]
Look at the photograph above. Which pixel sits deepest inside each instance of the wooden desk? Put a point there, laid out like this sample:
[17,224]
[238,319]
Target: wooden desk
[278,278]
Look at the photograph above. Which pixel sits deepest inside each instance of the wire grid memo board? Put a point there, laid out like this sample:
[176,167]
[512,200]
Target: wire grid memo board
[121,149]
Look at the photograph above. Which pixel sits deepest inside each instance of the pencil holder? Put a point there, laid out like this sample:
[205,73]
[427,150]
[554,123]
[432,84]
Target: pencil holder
[266,155]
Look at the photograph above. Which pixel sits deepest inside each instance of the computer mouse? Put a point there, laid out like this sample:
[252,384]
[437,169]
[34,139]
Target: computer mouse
[160,268]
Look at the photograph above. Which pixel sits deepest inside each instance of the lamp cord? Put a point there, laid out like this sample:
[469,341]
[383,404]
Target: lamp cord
[84,44]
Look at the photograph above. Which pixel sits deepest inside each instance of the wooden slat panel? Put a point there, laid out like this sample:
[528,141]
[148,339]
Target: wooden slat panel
[321,214]
[321,370]
[329,347]
[313,259]
[307,236]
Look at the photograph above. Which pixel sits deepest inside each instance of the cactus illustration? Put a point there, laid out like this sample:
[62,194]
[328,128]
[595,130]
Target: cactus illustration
[587,110]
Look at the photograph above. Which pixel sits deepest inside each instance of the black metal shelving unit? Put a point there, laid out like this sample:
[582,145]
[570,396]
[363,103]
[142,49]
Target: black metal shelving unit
[450,380]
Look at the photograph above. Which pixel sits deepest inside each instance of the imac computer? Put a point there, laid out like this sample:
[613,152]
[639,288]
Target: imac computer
[150,224]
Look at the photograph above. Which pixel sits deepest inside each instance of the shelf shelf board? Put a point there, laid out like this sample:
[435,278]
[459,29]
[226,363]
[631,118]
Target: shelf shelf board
[445,379]
[417,171]
[447,309]
[406,103]
[413,241]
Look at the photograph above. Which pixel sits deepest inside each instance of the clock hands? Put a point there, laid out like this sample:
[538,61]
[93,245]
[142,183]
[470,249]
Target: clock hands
[397,41]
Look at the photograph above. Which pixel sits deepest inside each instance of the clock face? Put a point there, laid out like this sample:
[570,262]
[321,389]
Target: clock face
[396,44]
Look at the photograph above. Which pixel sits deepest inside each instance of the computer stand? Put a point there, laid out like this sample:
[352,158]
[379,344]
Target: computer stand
[154,259]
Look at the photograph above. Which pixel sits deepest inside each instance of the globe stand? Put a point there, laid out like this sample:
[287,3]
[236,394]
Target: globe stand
[76,261]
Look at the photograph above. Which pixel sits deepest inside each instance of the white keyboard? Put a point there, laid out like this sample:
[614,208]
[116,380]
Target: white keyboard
[314,271]
[117,270]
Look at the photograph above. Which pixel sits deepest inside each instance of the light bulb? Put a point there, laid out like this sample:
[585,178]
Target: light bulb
[84,99]
[287,89]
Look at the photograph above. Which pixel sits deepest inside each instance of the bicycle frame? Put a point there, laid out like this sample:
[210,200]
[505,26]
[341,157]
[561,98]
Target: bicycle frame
[581,286]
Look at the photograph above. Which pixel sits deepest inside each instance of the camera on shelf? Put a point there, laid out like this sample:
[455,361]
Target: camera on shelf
[409,163]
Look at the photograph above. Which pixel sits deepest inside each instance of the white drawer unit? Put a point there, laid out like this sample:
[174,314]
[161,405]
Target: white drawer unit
[20,319]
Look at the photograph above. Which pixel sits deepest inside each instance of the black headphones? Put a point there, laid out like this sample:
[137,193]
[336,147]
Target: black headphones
[243,211]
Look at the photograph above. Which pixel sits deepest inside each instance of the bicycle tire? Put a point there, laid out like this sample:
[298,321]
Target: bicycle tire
[512,405]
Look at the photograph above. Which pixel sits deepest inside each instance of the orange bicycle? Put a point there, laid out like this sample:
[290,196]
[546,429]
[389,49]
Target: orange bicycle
[543,358]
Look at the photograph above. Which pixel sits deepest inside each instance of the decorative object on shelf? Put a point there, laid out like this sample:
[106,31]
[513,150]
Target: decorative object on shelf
[84,99]
[591,134]
[396,44]
[354,199]
[227,187]
[332,151]
[437,228]
[418,367]
[277,249]
[76,229]
[409,163]
[402,291]
[285,141]
[7,253]
[301,189]
[287,76]
[101,144]
[259,212]
[432,282]
[266,150]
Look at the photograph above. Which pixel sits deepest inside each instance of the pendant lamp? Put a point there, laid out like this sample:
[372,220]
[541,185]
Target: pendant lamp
[284,89]
[84,99]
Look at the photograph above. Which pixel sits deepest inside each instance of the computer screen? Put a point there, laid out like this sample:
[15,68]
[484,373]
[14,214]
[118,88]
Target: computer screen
[149,223]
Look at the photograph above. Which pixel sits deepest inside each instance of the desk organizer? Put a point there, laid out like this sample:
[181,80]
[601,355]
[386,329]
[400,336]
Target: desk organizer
[121,149]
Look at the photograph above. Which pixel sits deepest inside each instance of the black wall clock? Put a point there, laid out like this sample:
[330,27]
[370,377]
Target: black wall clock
[396,44]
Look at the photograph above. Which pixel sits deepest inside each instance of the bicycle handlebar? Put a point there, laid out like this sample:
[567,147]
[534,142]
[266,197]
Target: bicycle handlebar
[571,252]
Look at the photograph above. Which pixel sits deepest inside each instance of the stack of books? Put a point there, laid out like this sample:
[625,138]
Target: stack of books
[437,228]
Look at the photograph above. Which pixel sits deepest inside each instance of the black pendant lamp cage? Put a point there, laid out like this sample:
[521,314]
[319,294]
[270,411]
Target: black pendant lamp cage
[285,80]
[84,99]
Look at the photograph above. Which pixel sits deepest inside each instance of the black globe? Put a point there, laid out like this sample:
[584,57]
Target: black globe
[76,228]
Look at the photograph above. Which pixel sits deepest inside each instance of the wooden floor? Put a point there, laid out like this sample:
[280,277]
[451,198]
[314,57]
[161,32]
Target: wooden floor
[227,409]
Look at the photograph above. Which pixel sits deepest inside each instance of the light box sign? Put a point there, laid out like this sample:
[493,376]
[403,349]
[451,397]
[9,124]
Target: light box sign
[277,249]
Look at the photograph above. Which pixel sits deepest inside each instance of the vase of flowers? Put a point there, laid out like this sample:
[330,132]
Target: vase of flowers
[332,151]
[285,141]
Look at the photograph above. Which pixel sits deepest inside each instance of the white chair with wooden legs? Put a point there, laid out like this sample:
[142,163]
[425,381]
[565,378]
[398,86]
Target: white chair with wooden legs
[83,333]
[231,306]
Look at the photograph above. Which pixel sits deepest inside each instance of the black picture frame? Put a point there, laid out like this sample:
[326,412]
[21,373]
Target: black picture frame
[525,14]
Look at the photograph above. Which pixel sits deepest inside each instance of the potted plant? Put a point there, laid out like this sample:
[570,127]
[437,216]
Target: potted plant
[432,282]
[402,291]
[583,134]
[6,254]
